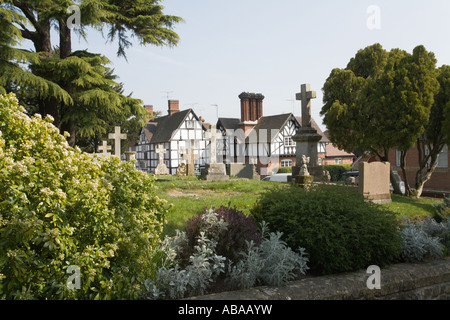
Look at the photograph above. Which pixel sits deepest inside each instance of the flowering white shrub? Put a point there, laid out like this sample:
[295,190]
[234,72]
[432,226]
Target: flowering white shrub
[61,207]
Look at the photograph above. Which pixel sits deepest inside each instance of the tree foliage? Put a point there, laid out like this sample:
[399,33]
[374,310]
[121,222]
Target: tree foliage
[61,207]
[381,101]
[79,88]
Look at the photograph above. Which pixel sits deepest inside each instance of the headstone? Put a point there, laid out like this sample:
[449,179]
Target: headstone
[214,171]
[161,169]
[307,137]
[242,170]
[190,156]
[374,181]
[181,170]
[130,155]
[117,137]
[104,148]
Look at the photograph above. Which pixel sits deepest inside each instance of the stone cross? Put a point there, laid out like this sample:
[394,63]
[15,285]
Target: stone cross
[305,97]
[104,148]
[213,135]
[117,136]
[191,157]
[161,151]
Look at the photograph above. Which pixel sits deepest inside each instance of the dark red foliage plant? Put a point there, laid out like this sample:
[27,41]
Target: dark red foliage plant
[232,241]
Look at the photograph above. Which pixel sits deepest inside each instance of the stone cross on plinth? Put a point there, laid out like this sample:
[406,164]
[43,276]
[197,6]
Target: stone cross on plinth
[305,96]
[161,169]
[212,136]
[161,151]
[190,156]
[214,171]
[117,137]
[307,137]
[104,148]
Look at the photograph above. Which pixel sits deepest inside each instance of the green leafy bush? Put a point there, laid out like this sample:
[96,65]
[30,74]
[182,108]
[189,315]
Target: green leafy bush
[336,226]
[442,211]
[336,170]
[61,207]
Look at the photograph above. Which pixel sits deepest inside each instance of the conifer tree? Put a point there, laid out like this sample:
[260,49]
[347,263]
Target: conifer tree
[91,86]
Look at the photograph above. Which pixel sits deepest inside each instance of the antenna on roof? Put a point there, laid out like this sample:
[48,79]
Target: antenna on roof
[167,94]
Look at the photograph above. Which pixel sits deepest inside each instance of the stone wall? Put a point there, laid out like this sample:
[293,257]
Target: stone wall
[421,281]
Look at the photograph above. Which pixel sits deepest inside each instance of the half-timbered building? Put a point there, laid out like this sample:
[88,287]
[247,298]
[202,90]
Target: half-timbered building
[177,132]
[263,140]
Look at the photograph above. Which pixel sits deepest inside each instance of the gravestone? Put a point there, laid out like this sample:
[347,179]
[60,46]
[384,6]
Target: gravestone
[117,137]
[374,181]
[214,171]
[161,169]
[181,170]
[190,157]
[307,137]
[104,148]
[130,155]
[243,170]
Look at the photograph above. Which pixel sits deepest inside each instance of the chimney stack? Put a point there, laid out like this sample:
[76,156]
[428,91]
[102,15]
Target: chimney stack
[174,107]
[251,110]
[251,106]
[150,110]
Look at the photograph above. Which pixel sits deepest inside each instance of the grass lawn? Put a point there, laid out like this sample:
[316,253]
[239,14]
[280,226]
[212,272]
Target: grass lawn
[190,196]
[412,208]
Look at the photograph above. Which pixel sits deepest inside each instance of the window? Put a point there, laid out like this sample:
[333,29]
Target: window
[398,156]
[338,161]
[442,160]
[288,142]
[190,124]
[320,161]
[286,163]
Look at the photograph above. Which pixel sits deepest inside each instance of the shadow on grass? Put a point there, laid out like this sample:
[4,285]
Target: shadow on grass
[413,207]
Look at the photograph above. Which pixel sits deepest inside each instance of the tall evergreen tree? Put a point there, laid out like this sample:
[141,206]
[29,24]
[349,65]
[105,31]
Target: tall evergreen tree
[382,100]
[83,88]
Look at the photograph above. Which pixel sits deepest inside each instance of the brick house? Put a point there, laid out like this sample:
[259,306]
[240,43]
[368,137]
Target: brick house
[440,180]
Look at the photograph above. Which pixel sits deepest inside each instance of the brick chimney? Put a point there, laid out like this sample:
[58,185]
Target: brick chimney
[174,107]
[150,110]
[251,110]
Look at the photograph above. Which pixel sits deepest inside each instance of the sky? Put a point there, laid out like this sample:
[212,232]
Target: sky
[269,47]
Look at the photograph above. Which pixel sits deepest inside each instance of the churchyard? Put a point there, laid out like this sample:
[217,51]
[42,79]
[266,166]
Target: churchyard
[191,195]
[103,198]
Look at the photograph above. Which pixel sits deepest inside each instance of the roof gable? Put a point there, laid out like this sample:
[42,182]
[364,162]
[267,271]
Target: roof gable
[167,125]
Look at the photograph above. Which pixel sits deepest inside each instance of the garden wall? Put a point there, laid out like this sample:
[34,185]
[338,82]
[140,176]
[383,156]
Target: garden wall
[421,281]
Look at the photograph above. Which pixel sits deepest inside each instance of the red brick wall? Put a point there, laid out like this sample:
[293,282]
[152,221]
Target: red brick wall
[439,180]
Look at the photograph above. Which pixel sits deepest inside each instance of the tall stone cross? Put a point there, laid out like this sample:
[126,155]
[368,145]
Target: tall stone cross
[212,136]
[191,157]
[104,148]
[117,136]
[305,97]
[161,151]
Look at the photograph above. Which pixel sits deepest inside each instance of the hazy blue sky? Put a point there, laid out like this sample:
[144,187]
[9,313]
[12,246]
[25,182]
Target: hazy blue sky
[268,47]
